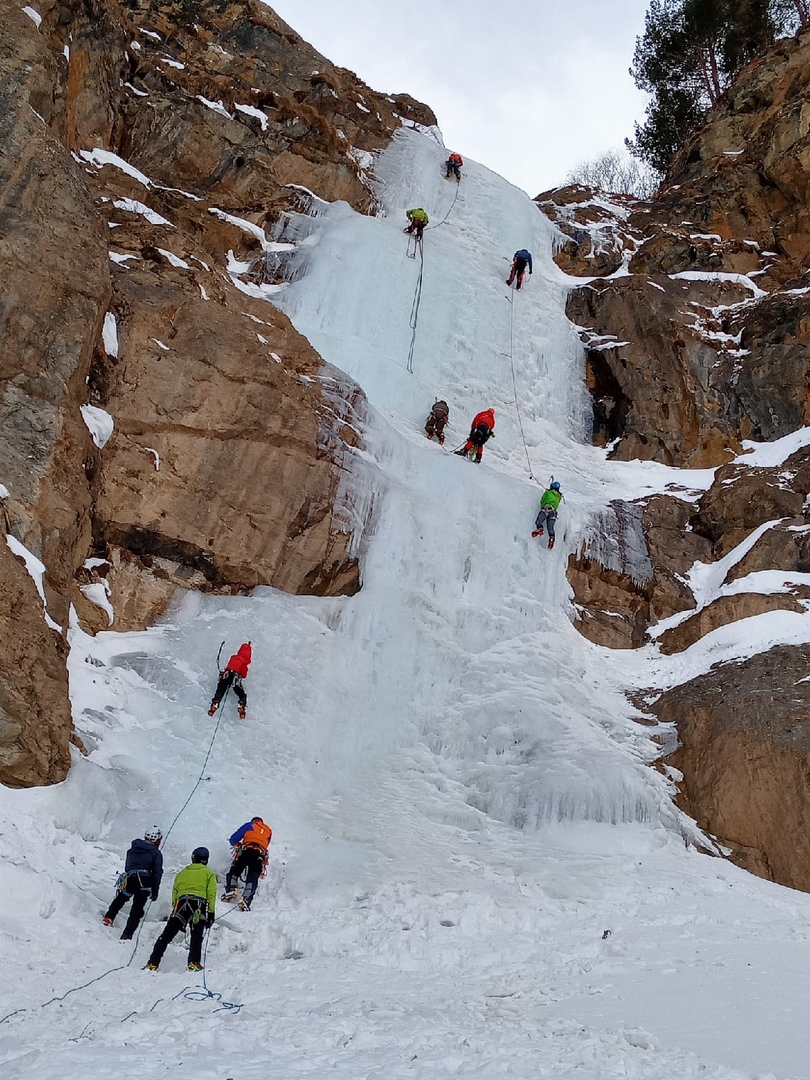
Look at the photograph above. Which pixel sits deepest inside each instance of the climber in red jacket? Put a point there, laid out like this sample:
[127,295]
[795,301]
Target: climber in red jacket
[483,428]
[235,670]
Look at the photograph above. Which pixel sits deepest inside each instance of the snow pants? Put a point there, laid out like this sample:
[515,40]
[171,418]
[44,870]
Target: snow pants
[138,894]
[453,169]
[227,680]
[546,518]
[250,862]
[181,917]
[517,271]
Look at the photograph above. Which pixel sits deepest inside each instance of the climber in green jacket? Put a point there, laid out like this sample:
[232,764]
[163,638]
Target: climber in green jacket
[550,501]
[418,220]
[194,897]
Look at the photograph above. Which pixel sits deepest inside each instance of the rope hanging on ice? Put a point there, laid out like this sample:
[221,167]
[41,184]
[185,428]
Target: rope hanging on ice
[417,300]
[514,379]
[449,212]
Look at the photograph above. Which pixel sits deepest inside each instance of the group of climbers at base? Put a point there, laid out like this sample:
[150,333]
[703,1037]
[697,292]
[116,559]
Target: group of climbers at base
[230,678]
[194,892]
[547,516]
[520,261]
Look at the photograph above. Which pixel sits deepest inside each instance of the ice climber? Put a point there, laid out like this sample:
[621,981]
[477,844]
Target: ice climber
[250,843]
[194,896]
[547,517]
[139,882]
[520,261]
[483,428]
[453,167]
[418,220]
[231,677]
[434,425]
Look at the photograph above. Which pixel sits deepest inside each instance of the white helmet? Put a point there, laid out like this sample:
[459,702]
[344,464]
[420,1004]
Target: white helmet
[153,835]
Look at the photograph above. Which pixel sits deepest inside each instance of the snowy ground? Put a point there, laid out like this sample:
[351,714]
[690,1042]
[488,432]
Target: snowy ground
[461,798]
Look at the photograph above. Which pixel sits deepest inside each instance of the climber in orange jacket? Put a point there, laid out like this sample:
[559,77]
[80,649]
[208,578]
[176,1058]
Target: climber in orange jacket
[483,428]
[231,677]
[250,843]
[453,167]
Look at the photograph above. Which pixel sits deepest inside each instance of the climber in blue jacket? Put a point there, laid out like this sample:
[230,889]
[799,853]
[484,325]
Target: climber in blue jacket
[520,261]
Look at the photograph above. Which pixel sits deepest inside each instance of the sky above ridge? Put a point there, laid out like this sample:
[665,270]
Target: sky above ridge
[529,89]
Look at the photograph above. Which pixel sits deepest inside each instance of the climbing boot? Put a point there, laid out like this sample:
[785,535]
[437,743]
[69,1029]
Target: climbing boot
[229,896]
[213,709]
[194,967]
[241,709]
[107,920]
[550,543]
[244,905]
[538,532]
[151,967]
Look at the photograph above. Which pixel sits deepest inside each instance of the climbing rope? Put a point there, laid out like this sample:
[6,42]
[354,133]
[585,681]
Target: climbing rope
[202,770]
[450,211]
[417,300]
[417,296]
[514,379]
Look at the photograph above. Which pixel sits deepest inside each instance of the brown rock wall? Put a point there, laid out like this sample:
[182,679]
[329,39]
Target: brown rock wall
[231,453]
[746,757]
[705,364]
[35,722]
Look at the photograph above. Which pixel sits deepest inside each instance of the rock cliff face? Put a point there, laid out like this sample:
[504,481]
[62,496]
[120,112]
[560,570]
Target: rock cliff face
[696,323]
[159,164]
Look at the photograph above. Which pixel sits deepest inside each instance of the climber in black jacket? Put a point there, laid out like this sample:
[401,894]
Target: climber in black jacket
[143,871]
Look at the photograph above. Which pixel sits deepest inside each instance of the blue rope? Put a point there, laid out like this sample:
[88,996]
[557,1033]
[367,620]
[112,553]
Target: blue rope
[202,770]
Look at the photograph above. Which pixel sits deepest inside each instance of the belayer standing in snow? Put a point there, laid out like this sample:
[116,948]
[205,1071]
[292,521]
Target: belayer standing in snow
[194,896]
[250,843]
[520,261]
[235,670]
[453,167]
[547,517]
[139,882]
[418,220]
[434,425]
[483,429]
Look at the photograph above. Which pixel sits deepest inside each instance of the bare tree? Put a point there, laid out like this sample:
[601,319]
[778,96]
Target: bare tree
[617,172]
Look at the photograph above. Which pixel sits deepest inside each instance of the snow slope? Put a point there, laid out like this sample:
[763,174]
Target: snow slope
[461,797]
